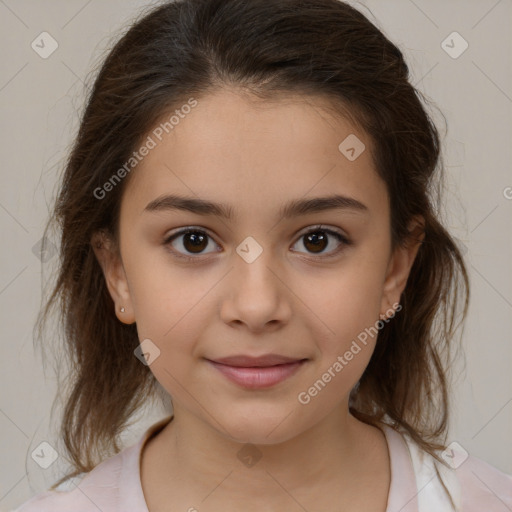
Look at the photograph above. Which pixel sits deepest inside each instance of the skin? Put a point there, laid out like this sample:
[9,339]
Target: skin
[256,156]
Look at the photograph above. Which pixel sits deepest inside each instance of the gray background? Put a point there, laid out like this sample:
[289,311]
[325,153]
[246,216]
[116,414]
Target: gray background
[40,100]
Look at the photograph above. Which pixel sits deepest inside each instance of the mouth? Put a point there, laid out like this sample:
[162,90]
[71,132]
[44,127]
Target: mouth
[257,372]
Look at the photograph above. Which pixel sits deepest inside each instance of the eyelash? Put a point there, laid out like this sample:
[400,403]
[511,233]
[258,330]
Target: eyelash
[192,229]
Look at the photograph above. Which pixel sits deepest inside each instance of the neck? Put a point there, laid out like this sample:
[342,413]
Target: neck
[337,452]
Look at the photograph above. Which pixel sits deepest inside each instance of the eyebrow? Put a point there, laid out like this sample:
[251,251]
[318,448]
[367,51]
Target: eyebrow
[293,208]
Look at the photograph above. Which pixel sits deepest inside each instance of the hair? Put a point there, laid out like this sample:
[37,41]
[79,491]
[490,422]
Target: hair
[314,48]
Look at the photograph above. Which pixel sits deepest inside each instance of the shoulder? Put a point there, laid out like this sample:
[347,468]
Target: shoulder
[111,486]
[96,490]
[473,484]
[484,487]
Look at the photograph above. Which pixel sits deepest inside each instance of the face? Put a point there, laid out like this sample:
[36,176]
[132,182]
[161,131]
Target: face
[278,277]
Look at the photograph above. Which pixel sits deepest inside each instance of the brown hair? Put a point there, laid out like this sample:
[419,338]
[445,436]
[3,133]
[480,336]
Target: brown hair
[187,48]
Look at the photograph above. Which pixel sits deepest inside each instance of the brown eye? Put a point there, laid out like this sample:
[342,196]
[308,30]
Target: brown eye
[195,241]
[189,241]
[318,240]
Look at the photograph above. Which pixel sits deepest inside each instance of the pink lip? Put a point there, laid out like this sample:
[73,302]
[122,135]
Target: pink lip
[250,361]
[257,372]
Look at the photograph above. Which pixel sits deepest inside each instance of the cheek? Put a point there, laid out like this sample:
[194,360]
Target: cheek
[346,306]
[170,313]
[347,301]
[177,324]
[161,292]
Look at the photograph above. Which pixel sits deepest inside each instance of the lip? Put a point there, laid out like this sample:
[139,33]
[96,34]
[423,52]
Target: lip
[251,361]
[257,372]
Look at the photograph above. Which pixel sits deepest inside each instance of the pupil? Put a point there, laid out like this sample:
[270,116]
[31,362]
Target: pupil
[318,241]
[192,241]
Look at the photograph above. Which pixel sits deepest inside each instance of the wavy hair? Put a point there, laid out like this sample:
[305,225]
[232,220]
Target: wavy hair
[189,48]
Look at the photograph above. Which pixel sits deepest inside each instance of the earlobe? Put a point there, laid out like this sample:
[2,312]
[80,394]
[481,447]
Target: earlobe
[400,265]
[115,277]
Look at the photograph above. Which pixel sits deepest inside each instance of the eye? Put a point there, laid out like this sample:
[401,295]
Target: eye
[190,241]
[316,241]
[194,241]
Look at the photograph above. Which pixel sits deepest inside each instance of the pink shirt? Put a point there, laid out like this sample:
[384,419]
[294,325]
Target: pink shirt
[115,485]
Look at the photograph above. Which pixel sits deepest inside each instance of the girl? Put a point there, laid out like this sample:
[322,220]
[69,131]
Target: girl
[248,224]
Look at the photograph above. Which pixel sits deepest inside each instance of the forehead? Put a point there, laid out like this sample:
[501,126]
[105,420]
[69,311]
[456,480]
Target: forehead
[256,155]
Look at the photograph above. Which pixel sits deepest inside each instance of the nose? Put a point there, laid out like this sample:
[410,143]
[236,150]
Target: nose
[255,294]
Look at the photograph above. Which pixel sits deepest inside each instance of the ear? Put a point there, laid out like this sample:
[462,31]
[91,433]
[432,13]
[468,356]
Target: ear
[400,265]
[110,261]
